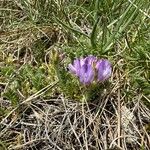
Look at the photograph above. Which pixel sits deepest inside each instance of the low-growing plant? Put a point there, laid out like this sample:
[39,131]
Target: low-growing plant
[74,74]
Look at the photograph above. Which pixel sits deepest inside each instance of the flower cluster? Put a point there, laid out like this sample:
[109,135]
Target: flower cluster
[90,68]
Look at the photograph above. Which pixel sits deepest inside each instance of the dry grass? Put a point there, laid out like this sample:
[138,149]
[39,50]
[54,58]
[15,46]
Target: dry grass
[64,124]
[34,112]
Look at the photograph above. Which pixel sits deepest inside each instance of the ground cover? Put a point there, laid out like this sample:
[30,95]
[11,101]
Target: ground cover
[43,105]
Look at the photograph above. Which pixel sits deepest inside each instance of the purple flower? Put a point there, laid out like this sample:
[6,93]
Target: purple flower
[75,68]
[104,69]
[86,74]
[83,68]
[90,59]
[86,68]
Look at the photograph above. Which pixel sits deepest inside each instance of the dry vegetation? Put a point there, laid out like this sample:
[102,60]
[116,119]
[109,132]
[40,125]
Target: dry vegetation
[38,111]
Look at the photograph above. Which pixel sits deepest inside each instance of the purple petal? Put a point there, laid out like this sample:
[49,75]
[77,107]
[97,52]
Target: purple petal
[72,69]
[104,69]
[86,74]
[77,66]
[76,63]
[91,59]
